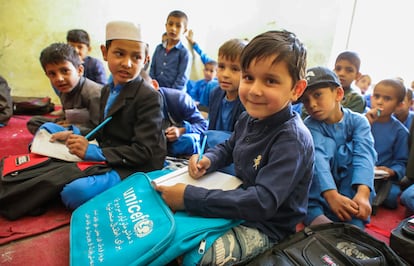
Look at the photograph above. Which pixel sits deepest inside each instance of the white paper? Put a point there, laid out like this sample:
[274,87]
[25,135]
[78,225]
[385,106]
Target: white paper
[215,180]
[41,145]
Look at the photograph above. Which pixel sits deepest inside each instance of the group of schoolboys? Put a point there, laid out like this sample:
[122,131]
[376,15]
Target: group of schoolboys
[313,171]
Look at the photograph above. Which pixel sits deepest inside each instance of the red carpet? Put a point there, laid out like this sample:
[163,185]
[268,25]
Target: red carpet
[55,217]
[15,137]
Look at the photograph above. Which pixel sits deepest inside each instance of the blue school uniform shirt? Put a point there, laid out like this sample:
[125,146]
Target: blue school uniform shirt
[171,68]
[215,109]
[200,90]
[274,195]
[344,157]
[391,144]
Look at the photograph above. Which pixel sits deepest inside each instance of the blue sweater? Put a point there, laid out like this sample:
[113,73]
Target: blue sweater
[274,158]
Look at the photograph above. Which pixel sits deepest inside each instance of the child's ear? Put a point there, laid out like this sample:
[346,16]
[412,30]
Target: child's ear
[80,70]
[339,94]
[299,88]
[104,52]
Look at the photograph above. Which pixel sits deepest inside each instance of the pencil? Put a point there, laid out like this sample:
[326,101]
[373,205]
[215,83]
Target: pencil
[203,146]
[93,131]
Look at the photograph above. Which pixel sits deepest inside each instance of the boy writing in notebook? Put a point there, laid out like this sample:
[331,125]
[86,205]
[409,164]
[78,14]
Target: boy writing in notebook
[343,184]
[133,139]
[274,194]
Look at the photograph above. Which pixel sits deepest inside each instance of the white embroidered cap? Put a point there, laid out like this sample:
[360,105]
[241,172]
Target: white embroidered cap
[123,30]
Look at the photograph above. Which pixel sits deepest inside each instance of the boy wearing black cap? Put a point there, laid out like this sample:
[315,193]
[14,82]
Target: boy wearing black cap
[342,187]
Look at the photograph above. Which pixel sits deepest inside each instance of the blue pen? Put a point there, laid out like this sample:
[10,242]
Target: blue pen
[93,131]
[203,146]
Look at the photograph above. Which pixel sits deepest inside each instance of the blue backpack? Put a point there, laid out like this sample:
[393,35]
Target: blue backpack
[130,224]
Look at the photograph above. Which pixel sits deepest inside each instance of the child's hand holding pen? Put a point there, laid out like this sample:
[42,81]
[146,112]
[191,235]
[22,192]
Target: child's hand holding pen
[198,164]
[76,144]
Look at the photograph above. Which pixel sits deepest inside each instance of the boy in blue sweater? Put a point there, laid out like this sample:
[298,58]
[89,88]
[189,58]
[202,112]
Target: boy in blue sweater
[391,138]
[343,183]
[272,151]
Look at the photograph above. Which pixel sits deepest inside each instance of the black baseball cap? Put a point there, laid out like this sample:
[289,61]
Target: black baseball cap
[318,77]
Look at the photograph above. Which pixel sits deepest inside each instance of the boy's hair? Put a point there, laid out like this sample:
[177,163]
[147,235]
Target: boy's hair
[57,53]
[232,49]
[350,56]
[283,44]
[179,14]
[78,35]
[211,63]
[398,86]
[409,94]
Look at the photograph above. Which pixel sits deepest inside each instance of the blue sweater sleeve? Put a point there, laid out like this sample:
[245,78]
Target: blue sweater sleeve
[203,56]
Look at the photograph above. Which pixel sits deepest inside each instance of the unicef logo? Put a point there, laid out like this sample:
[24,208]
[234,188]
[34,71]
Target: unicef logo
[143,228]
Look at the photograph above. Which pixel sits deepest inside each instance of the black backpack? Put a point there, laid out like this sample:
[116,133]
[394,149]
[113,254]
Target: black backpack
[30,182]
[402,239]
[329,244]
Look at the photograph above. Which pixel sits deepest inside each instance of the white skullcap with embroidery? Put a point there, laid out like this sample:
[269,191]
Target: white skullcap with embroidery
[123,30]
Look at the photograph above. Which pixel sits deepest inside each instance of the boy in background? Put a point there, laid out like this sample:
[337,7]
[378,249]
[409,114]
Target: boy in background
[343,184]
[133,139]
[6,102]
[79,95]
[274,194]
[93,68]
[404,113]
[347,65]
[224,106]
[391,140]
[200,90]
[171,61]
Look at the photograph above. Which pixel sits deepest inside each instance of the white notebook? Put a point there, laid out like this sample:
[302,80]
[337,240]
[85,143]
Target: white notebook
[214,180]
[41,145]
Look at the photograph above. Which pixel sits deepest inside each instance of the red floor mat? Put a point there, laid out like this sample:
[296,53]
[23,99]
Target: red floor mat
[55,217]
[15,137]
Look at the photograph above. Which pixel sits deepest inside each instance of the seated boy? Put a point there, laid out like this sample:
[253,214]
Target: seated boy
[6,103]
[200,90]
[343,183]
[274,194]
[391,139]
[79,95]
[133,139]
[224,106]
[183,123]
[347,65]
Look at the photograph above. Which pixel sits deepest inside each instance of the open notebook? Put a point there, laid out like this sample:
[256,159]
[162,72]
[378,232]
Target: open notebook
[41,145]
[214,180]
